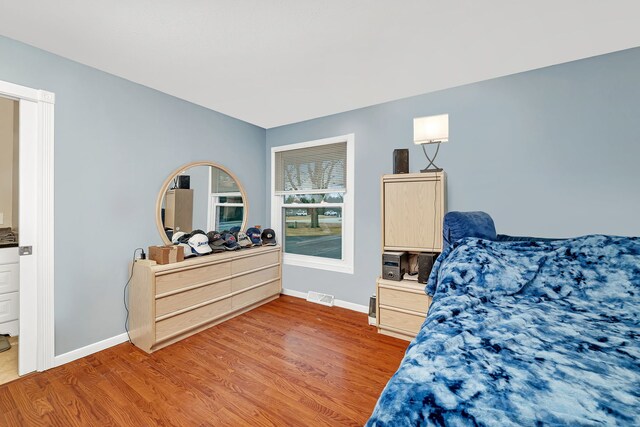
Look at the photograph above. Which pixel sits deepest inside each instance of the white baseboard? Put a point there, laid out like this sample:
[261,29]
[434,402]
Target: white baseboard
[293,293]
[352,306]
[90,349]
[338,302]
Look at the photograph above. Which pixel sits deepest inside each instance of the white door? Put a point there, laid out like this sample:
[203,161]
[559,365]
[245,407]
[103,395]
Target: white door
[27,235]
[36,135]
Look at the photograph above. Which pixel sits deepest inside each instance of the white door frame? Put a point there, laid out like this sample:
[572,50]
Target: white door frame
[36,225]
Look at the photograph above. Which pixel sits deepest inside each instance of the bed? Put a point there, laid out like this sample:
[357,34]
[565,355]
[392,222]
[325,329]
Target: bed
[524,333]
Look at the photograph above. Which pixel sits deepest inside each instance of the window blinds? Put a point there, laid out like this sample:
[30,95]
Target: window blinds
[322,169]
[221,182]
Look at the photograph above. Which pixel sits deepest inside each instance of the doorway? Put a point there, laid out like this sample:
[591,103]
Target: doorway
[31,256]
[9,231]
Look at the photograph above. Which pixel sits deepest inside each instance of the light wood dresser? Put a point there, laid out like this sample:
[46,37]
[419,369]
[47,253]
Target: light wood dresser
[170,302]
[413,207]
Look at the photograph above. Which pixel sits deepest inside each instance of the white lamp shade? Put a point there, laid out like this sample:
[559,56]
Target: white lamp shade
[431,129]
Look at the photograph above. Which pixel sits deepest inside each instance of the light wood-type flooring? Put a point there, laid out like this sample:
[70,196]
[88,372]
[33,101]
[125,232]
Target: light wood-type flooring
[287,363]
[9,362]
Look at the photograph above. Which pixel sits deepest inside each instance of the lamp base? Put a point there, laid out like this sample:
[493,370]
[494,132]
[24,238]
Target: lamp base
[427,170]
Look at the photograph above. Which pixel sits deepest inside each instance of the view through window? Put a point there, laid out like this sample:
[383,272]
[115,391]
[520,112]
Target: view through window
[311,201]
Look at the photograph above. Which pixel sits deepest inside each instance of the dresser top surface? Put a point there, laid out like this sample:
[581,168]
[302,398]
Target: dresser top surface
[210,259]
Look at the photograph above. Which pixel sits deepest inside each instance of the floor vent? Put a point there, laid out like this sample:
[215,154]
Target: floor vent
[319,298]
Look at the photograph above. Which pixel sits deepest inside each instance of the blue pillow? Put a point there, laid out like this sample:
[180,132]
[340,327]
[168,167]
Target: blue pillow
[458,225]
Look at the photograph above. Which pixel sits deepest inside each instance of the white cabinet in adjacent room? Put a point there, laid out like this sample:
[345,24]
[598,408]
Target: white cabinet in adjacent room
[9,287]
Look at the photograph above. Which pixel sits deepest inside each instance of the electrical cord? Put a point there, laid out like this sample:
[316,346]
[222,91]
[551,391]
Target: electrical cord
[133,263]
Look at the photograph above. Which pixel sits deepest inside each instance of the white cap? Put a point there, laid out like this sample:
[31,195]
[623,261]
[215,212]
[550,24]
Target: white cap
[200,244]
[176,236]
[243,240]
[188,252]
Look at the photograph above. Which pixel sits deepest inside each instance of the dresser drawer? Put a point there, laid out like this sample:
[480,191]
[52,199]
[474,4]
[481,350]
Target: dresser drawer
[190,298]
[403,299]
[247,280]
[9,307]
[9,278]
[404,321]
[175,281]
[253,262]
[191,319]
[254,295]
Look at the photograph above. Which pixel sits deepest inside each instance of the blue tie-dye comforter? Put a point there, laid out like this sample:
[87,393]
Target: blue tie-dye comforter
[525,333]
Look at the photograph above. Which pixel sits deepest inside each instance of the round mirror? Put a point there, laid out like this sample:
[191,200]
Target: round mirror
[200,196]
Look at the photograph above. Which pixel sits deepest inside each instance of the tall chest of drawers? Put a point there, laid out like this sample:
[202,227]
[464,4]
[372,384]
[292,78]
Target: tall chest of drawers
[413,208]
[168,303]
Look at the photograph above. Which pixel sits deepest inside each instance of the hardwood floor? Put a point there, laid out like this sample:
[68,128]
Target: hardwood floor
[287,363]
[9,362]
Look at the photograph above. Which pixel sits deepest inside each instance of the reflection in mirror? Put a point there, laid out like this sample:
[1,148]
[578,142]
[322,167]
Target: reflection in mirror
[201,198]
[226,201]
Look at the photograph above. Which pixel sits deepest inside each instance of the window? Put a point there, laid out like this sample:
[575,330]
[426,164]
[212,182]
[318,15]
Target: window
[225,202]
[312,202]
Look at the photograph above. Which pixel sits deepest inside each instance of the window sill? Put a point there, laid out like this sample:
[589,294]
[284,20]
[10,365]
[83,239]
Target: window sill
[337,266]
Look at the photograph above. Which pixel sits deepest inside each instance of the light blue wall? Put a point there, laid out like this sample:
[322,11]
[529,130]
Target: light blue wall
[115,142]
[551,152]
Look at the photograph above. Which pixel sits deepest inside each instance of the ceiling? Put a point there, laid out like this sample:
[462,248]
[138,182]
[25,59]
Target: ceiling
[283,61]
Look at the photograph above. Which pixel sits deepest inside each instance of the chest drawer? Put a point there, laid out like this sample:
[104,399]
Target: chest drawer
[253,262]
[399,320]
[250,279]
[9,278]
[254,295]
[405,300]
[180,323]
[181,279]
[190,298]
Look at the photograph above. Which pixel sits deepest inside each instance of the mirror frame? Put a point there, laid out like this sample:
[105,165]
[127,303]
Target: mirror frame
[174,174]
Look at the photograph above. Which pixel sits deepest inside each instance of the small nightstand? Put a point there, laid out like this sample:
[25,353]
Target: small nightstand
[401,307]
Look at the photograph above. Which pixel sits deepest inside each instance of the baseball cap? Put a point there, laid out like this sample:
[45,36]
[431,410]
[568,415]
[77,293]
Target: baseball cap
[215,237]
[184,237]
[200,244]
[216,242]
[243,240]
[269,237]
[230,242]
[188,252]
[234,230]
[176,236]
[254,234]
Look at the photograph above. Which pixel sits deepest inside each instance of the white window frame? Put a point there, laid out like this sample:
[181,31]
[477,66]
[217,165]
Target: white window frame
[346,264]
